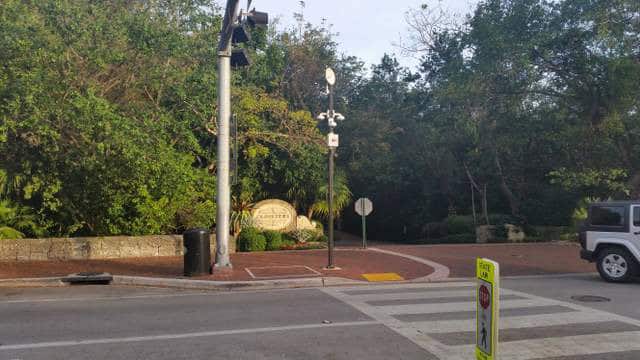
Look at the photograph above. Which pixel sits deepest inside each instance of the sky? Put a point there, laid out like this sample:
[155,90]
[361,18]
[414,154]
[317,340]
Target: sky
[367,28]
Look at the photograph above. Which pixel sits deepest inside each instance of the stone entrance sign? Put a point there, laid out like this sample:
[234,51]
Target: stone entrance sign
[274,214]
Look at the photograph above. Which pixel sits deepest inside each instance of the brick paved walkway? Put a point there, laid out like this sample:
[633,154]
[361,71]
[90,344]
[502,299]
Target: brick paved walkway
[514,259]
[279,264]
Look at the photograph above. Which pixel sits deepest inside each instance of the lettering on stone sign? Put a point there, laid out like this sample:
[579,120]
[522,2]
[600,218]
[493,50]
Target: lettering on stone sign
[274,215]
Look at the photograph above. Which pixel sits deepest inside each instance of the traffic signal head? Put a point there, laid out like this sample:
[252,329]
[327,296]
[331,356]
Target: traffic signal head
[240,34]
[257,18]
[239,58]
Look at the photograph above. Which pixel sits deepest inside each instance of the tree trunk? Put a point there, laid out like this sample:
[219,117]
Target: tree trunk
[485,206]
[514,204]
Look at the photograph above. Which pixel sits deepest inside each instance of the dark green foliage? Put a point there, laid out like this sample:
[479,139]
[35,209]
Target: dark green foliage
[530,106]
[274,240]
[105,108]
[287,243]
[251,239]
[457,239]
[501,232]
[460,225]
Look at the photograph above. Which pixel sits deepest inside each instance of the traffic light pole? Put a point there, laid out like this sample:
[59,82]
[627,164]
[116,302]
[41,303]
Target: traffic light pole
[223,194]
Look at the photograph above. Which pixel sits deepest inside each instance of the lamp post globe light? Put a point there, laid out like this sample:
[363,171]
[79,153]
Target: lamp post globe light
[332,142]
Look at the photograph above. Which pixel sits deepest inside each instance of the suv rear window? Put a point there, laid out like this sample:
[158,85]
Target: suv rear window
[607,215]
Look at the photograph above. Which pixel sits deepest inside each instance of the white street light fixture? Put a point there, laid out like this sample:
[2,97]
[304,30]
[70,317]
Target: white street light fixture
[330,76]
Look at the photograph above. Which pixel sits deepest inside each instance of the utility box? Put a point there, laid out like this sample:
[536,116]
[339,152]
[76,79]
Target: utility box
[197,252]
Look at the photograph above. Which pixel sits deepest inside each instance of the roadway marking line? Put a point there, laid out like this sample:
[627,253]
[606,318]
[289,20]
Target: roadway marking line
[398,326]
[513,322]
[180,336]
[406,287]
[425,333]
[470,293]
[251,273]
[461,306]
[128,297]
[581,345]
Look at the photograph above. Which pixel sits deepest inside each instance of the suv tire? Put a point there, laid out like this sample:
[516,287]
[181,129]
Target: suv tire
[615,264]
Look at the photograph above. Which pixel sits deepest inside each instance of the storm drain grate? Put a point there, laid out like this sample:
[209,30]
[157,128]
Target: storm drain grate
[590,298]
[88,278]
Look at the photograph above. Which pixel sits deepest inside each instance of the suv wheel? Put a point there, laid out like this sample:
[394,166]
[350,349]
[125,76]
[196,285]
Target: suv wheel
[616,265]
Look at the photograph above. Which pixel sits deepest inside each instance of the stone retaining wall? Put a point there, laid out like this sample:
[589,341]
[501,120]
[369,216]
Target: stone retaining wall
[107,247]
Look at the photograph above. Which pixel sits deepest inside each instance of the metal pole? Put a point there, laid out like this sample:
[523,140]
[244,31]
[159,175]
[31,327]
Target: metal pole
[364,227]
[223,191]
[332,152]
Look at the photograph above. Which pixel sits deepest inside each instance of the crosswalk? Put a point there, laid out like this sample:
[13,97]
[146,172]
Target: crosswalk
[440,318]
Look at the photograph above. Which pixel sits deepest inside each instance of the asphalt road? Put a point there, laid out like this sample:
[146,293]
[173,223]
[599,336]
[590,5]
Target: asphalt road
[374,322]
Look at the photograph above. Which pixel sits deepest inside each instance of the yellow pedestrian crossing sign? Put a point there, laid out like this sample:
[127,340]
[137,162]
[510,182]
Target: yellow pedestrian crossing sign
[487,308]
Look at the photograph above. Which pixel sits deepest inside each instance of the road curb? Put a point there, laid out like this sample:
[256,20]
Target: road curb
[233,285]
[440,272]
[33,282]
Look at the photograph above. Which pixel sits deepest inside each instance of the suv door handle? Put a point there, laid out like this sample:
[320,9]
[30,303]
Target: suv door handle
[636,233]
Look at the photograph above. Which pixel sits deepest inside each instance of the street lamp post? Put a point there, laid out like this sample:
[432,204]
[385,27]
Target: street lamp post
[332,141]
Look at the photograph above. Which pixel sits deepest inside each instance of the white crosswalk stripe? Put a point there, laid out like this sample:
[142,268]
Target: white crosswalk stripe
[531,327]
[460,306]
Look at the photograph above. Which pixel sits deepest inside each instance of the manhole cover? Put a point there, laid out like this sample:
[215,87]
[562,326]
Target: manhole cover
[590,298]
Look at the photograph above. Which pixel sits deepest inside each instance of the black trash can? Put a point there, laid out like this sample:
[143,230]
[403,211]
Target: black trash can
[197,252]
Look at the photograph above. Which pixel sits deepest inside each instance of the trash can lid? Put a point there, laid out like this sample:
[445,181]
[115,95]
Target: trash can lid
[196,231]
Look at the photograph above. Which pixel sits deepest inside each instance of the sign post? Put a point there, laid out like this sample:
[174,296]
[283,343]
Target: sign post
[487,308]
[364,207]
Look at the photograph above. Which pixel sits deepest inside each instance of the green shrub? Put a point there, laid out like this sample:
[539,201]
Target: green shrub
[457,239]
[501,232]
[303,236]
[434,230]
[251,239]
[460,225]
[501,219]
[274,240]
[287,243]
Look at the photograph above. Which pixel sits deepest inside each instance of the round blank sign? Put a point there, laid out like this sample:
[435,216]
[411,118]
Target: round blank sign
[364,206]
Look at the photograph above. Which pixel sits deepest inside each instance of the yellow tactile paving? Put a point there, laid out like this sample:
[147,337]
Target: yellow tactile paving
[382,277]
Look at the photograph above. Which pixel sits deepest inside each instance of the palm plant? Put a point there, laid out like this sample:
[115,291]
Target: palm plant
[241,207]
[15,220]
[341,198]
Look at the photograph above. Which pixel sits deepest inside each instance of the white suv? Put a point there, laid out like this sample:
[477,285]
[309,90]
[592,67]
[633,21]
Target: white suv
[611,237]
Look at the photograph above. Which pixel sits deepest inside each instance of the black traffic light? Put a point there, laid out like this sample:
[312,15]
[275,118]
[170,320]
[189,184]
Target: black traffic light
[241,34]
[239,57]
[257,18]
